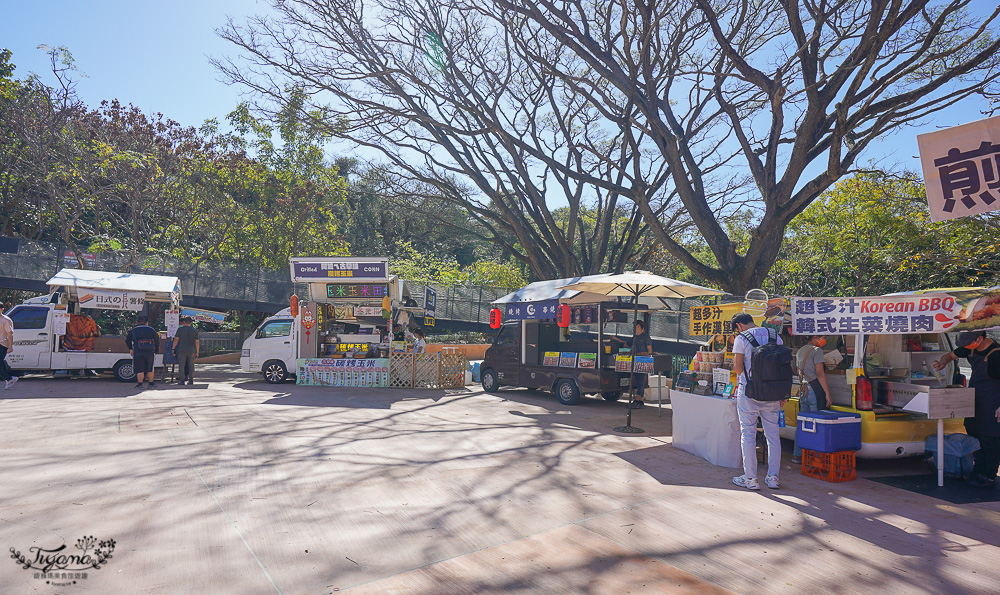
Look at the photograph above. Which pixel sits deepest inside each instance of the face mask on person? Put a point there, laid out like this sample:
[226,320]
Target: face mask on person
[975,345]
[821,342]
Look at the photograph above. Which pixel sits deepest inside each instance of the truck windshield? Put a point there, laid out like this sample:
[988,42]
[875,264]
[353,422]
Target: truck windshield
[28,317]
[506,336]
[278,328]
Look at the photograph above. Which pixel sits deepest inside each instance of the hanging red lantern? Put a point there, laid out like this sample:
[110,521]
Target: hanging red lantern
[563,315]
[293,305]
[496,318]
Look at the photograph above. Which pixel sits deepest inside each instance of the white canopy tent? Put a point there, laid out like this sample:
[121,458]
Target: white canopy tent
[541,291]
[156,288]
[638,284]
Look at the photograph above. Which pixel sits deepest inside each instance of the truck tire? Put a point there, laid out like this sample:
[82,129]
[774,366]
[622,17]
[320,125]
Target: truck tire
[274,371]
[567,391]
[612,396]
[123,371]
[489,379]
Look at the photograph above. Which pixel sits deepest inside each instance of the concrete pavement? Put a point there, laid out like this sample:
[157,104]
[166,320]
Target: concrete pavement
[237,486]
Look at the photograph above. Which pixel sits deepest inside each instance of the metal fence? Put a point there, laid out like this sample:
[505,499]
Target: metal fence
[39,261]
[212,343]
[474,304]
[254,287]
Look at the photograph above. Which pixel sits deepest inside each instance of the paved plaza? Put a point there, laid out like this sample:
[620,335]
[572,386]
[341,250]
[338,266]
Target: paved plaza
[237,486]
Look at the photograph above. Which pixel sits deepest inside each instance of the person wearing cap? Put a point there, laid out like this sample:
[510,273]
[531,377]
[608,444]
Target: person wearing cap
[983,354]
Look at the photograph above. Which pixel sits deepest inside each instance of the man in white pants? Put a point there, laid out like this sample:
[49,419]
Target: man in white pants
[749,409]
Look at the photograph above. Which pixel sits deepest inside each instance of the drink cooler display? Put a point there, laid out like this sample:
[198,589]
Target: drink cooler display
[829,431]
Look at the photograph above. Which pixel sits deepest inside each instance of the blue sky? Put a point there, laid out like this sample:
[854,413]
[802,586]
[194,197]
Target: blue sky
[151,54]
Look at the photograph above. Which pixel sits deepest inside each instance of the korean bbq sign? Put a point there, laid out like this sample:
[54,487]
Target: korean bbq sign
[961,167]
[887,315]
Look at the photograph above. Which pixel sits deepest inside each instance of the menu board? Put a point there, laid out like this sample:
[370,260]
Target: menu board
[643,364]
[567,359]
[551,358]
[587,360]
[372,372]
[60,318]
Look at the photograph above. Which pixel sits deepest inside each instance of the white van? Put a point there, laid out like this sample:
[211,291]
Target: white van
[272,349]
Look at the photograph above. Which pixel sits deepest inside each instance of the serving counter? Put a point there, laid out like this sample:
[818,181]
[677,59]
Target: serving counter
[707,426]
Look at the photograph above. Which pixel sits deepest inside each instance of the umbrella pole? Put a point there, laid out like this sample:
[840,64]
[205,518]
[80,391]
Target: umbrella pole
[628,428]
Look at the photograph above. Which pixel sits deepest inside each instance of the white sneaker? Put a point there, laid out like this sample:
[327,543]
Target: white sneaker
[749,483]
[10,382]
[771,481]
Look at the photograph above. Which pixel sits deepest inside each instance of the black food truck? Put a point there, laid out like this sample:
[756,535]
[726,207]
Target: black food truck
[530,350]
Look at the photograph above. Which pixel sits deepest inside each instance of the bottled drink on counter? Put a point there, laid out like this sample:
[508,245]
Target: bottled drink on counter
[925,370]
[781,418]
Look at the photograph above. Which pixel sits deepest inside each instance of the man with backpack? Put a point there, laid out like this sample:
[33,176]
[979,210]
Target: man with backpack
[143,342]
[764,372]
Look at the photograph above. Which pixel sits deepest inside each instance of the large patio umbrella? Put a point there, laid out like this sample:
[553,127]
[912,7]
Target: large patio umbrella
[638,284]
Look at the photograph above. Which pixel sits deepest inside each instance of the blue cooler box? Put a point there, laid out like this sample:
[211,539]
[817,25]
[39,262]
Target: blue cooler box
[829,431]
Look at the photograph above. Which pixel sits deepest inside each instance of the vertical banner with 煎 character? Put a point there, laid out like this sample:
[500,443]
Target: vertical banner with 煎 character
[430,307]
[961,167]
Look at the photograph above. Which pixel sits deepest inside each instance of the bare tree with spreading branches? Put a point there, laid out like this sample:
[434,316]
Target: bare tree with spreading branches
[792,92]
[691,111]
[463,112]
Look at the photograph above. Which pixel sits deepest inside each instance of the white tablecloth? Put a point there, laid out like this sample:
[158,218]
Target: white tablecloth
[707,426]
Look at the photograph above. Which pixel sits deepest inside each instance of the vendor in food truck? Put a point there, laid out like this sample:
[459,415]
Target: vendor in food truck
[641,344]
[814,392]
[983,354]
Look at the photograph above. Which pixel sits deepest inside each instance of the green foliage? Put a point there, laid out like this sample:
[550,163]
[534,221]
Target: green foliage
[420,267]
[488,272]
[117,179]
[871,234]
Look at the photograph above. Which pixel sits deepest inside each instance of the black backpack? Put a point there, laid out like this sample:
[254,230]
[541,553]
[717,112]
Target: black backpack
[771,363]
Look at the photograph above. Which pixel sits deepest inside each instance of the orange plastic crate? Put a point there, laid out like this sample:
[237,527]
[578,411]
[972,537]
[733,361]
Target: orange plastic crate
[828,466]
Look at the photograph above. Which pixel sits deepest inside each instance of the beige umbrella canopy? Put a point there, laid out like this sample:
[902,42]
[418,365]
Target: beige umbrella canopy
[639,284]
[642,284]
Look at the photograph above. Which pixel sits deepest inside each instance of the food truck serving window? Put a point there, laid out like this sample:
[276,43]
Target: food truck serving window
[278,328]
[29,317]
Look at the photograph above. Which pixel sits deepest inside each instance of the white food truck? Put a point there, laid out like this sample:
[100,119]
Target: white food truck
[346,297]
[40,323]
